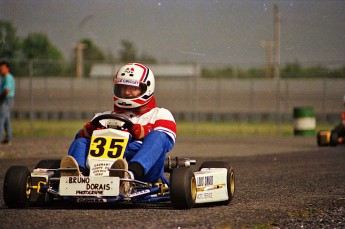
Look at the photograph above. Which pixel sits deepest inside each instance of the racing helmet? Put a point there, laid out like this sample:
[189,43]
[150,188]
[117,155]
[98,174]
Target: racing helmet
[133,76]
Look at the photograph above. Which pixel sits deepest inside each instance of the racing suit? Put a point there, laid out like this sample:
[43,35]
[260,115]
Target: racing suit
[150,153]
[340,128]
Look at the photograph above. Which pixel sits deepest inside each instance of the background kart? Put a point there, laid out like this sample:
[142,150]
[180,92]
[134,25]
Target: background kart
[214,182]
[334,137]
[329,138]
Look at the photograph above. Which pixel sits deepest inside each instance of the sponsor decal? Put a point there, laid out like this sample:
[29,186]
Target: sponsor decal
[78,180]
[83,192]
[91,200]
[204,181]
[204,196]
[140,193]
[127,82]
[100,169]
[129,70]
[211,185]
[77,186]
[125,104]
[91,189]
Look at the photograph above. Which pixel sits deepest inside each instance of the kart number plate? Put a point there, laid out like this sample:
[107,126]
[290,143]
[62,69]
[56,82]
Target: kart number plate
[107,147]
[89,186]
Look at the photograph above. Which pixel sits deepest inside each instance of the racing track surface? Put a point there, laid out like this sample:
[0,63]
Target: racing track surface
[281,182]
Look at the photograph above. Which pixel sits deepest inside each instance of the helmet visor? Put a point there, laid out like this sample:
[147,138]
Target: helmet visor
[128,91]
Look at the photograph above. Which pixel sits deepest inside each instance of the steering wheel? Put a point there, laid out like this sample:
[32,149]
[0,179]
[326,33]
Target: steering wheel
[127,124]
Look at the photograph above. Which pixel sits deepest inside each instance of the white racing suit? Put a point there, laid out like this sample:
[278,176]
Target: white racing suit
[150,153]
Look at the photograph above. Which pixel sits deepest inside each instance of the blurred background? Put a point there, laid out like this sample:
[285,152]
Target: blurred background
[219,61]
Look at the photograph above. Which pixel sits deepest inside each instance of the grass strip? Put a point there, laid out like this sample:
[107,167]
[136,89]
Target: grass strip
[53,128]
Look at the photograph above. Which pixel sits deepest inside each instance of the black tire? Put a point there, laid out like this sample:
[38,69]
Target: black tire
[230,177]
[16,190]
[322,138]
[333,139]
[48,164]
[182,188]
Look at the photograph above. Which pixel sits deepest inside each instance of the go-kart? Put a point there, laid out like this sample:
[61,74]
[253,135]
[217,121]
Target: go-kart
[334,137]
[329,138]
[214,182]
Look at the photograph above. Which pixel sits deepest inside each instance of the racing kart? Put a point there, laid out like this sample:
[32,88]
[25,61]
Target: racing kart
[213,182]
[329,138]
[334,137]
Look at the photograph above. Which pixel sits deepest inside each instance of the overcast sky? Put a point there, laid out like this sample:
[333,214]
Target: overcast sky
[203,31]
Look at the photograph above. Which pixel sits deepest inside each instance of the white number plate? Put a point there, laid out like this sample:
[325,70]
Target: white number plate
[89,186]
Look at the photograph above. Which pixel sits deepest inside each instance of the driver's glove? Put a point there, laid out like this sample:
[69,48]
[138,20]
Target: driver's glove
[87,130]
[139,132]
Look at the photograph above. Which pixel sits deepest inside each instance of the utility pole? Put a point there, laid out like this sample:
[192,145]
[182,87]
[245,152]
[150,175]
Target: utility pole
[276,42]
[276,39]
[268,47]
[80,65]
[79,49]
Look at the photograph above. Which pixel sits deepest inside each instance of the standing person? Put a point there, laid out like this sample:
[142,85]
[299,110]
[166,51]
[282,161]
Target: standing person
[153,132]
[7,89]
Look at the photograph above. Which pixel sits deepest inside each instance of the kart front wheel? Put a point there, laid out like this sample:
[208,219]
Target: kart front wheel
[17,187]
[182,188]
[230,176]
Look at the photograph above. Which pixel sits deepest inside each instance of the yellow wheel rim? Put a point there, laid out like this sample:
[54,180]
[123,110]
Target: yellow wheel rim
[193,188]
[232,183]
[28,189]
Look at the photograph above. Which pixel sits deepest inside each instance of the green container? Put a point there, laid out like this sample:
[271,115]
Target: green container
[304,121]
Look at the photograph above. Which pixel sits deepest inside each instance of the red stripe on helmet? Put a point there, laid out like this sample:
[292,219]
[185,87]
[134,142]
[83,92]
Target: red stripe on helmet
[144,73]
[139,101]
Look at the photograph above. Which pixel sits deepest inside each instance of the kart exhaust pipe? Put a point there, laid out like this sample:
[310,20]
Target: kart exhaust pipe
[172,163]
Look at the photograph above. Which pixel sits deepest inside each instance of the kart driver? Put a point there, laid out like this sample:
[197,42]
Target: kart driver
[153,132]
[340,128]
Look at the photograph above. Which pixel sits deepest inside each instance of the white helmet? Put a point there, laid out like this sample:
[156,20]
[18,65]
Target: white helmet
[137,75]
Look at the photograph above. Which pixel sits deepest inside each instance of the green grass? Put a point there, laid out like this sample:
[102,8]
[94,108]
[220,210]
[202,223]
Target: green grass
[23,128]
[238,129]
[232,129]
[54,128]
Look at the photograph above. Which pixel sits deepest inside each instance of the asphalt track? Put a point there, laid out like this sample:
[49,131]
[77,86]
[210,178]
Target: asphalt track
[281,182]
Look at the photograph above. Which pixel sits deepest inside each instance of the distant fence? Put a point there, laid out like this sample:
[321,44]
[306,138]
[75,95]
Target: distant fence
[189,98]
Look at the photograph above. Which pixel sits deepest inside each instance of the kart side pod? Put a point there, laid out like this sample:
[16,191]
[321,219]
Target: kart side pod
[211,185]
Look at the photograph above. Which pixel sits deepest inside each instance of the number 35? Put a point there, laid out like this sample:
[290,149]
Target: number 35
[114,148]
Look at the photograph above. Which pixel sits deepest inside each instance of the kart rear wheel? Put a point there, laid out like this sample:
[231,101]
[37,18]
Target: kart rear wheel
[17,187]
[230,176]
[182,188]
[323,138]
[333,139]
